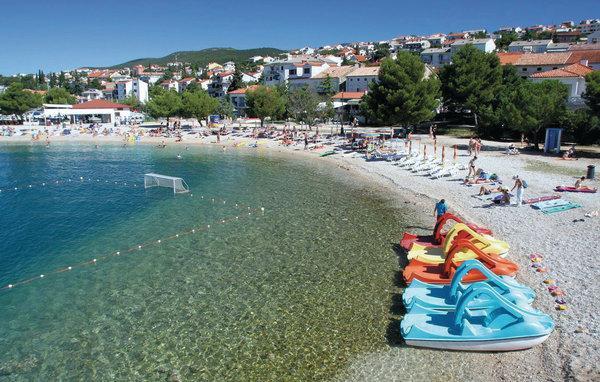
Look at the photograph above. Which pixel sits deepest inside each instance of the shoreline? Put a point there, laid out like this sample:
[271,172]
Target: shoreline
[572,351]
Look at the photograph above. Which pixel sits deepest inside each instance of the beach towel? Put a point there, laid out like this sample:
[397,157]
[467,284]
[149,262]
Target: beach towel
[573,189]
[564,207]
[549,204]
[541,199]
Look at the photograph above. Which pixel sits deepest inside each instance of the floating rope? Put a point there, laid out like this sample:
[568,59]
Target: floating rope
[135,248]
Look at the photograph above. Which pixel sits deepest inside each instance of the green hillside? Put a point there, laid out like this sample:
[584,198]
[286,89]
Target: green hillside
[204,56]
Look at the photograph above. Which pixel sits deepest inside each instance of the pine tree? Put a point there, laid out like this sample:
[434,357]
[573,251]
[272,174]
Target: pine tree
[237,81]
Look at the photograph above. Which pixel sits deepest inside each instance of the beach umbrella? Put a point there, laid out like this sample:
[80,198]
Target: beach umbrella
[443,153]
[455,153]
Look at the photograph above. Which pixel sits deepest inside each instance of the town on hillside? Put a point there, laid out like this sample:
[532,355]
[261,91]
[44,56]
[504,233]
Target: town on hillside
[340,75]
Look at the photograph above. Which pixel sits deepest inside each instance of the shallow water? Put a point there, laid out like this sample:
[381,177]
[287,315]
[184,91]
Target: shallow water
[294,293]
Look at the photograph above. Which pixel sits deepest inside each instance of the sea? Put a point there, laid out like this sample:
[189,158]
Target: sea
[272,267]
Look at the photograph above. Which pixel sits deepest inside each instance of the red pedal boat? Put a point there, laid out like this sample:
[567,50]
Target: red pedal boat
[438,236]
[443,273]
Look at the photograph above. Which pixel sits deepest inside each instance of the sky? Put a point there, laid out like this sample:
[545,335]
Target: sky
[65,34]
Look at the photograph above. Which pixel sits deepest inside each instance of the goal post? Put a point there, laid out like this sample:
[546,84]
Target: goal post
[178,185]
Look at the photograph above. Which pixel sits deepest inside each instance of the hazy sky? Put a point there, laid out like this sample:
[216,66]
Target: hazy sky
[64,34]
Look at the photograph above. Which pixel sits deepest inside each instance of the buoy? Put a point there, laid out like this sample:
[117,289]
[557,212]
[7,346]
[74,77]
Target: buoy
[30,186]
[81,177]
[193,231]
[208,226]
[10,286]
[43,184]
[159,240]
[177,235]
[139,247]
[16,188]
[41,276]
[262,209]
[69,268]
[93,261]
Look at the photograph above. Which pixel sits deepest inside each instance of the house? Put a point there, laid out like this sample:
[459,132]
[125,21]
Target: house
[337,78]
[91,94]
[589,26]
[204,84]
[151,77]
[531,46]
[136,88]
[250,77]
[219,84]
[347,106]
[571,75]
[359,79]
[558,47]
[593,38]
[484,44]
[255,58]
[529,63]
[238,100]
[457,36]
[278,72]
[436,40]
[437,57]
[213,66]
[589,58]
[357,58]
[185,82]
[416,45]
[229,66]
[569,37]
[138,70]
[509,58]
[170,85]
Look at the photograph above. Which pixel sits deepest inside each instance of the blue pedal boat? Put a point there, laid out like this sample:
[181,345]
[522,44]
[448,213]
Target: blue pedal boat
[502,326]
[445,297]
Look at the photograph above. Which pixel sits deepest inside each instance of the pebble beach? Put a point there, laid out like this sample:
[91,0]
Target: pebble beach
[566,241]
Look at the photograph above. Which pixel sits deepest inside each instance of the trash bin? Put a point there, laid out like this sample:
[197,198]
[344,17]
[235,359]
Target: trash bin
[591,172]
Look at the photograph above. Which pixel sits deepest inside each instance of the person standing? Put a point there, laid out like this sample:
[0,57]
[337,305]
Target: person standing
[434,131]
[440,209]
[519,186]
[472,167]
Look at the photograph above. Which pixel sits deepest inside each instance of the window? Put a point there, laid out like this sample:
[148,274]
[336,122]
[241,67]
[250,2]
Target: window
[539,69]
[306,70]
[292,72]
[524,69]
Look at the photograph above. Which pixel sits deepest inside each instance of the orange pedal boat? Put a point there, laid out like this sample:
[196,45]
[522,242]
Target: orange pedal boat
[443,273]
[438,236]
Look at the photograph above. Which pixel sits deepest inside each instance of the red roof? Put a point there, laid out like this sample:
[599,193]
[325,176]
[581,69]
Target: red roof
[591,56]
[509,58]
[243,91]
[100,104]
[573,70]
[349,95]
[224,74]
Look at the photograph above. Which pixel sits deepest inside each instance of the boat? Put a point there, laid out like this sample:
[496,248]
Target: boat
[445,297]
[442,273]
[502,326]
[460,231]
[438,236]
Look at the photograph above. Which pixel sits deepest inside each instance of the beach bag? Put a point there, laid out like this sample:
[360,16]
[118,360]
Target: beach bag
[493,177]
[524,184]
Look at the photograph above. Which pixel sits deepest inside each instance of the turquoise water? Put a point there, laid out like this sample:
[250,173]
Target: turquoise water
[293,293]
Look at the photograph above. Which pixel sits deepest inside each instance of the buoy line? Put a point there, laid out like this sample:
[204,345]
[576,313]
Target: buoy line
[136,248]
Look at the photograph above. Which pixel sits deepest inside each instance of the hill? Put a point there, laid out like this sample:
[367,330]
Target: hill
[204,56]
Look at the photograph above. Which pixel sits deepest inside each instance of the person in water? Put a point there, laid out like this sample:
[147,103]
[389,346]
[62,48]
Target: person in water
[440,208]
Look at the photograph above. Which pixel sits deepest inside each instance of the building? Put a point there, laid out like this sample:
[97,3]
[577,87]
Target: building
[219,84]
[359,79]
[530,63]
[279,72]
[151,78]
[532,46]
[589,26]
[347,106]
[185,82]
[589,58]
[558,47]
[238,100]
[135,87]
[436,40]
[568,36]
[437,57]
[97,110]
[416,46]
[229,66]
[593,38]
[571,75]
[170,85]
[337,77]
[484,44]
[92,94]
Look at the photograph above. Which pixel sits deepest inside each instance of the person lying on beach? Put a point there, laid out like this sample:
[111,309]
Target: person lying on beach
[505,199]
[489,190]
[512,150]
[570,153]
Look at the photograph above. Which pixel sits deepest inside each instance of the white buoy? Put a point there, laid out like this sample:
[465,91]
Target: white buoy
[118,253]
[94,260]
[177,235]
[208,226]
[262,209]
[193,231]
[159,240]
[249,213]
[43,184]
[237,217]
[10,286]
[41,276]
[69,268]
[223,202]
[139,247]
[16,188]
[30,186]
[81,178]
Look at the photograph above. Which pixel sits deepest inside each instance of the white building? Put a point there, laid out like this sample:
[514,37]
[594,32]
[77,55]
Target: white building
[151,78]
[91,94]
[533,46]
[337,77]
[416,46]
[135,87]
[594,38]
[229,66]
[359,79]
[589,26]
[571,75]
[170,85]
[437,57]
[278,72]
[95,110]
[219,84]
[250,77]
[484,44]
[436,39]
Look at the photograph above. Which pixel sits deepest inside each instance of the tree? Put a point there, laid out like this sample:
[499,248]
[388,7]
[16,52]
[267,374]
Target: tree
[53,81]
[381,51]
[327,88]
[403,95]
[505,39]
[198,104]
[264,102]
[225,108]
[327,111]
[132,101]
[302,105]
[472,82]
[76,85]
[94,84]
[592,92]
[62,80]
[59,96]
[17,101]
[41,78]
[164,104]
[541,104]
[237,81]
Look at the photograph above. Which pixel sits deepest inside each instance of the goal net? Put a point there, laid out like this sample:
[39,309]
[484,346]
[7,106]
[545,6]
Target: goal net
[157,180]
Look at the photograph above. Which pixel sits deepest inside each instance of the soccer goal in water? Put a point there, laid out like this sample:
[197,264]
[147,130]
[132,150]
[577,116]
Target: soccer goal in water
[178,185]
